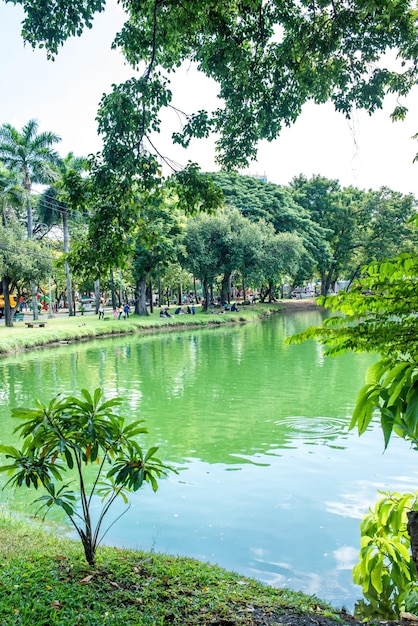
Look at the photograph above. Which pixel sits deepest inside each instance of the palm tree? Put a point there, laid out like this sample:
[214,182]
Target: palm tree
[30,154]
[11,194]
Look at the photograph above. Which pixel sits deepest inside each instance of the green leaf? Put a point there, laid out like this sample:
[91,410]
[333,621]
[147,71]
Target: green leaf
[387,421]
[67,508]
[411,414]
[376,577]
[150,453]
[69,458]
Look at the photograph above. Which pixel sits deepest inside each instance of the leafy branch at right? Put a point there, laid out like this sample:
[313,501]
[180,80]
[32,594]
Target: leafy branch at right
[379,314]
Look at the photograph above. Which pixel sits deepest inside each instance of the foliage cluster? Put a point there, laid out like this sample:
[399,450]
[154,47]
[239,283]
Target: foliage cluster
[268,59]
[378,314]
[386,571]
[264,236]
[67,436]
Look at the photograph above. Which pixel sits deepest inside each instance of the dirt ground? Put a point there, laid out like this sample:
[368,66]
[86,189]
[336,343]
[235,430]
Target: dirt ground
[304,304]
[261,618]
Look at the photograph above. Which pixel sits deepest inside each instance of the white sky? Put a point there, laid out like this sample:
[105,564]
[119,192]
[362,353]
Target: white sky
[367,152]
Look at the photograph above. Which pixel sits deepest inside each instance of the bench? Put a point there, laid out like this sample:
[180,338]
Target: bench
[34,324]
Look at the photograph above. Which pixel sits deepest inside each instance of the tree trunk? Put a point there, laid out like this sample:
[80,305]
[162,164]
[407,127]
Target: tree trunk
[272,295]
[97,294]
[141,296]
[120,288]
[8,311]
[326,280]
[71,311]
[205,295]
[34,300]
[412,528]
[263,294]
[160,295]
[27,185]
[112,290]
[225,296]
[323,284]
[194,288]
[151,303]
[244,289]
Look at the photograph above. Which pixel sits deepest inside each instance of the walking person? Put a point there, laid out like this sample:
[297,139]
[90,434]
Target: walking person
[126,311]
[101,311]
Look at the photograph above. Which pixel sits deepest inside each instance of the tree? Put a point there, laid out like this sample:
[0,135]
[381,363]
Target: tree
[201,243]
[78,433]
[11,194]
[30,154]
[281,256]
[69,194]
[360,226]
[340,212]
[268,58]
[21,260]
[156,243]
[249,238]
[275,204]
[388,230]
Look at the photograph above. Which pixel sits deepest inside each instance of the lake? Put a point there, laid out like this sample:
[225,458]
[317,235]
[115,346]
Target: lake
[271,483]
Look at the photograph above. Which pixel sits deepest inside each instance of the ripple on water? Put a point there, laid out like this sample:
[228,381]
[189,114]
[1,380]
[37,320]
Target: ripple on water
[313,428]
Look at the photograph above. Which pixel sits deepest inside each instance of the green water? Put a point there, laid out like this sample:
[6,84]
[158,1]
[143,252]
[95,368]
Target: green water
[271,483]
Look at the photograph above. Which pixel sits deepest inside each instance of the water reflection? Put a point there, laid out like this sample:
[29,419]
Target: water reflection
[272,484]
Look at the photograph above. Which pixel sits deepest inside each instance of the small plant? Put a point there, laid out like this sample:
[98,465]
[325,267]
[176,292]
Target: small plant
[386,570]
[68,435]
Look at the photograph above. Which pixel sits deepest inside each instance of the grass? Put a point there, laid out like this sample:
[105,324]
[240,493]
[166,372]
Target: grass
[44,581]
[88,326]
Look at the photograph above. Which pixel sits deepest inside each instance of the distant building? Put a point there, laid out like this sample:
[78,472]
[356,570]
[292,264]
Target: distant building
[261,177]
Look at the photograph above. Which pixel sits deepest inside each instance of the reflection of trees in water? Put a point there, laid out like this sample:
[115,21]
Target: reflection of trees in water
[219,395]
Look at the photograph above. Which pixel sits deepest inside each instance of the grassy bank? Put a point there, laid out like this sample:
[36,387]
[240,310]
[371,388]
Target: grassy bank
[62,329]
[44,581]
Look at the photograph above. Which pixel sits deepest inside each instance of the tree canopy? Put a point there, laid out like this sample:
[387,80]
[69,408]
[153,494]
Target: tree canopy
[268,57]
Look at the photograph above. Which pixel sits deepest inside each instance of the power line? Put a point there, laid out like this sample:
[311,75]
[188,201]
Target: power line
[52,203]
